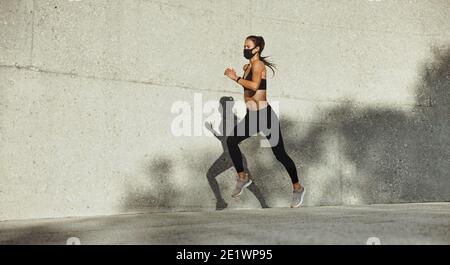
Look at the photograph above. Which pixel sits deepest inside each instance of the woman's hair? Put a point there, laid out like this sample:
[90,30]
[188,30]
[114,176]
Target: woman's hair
[259,41]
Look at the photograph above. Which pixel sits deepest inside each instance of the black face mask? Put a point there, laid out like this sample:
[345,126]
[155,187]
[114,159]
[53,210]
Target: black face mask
[248,53]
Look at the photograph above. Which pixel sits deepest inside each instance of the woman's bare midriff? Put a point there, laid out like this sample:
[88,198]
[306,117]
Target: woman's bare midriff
[255,100]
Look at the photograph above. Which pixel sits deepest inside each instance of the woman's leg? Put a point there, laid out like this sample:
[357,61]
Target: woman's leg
[233,145]
[281,155]
[277,143]
[235,153]
[279,149]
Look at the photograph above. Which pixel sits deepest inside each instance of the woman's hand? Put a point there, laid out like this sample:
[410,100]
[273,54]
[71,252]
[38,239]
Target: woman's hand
[231,73]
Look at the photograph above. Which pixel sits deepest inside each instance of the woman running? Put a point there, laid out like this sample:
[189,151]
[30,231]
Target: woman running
[259,117]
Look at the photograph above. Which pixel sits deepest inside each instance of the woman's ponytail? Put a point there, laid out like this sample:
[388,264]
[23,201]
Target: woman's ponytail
[259,41]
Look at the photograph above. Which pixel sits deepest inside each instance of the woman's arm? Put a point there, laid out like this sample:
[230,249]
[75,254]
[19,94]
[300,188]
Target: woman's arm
[253,84]
[249,84]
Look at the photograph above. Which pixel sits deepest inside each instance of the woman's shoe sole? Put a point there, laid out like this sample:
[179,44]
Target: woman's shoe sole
[242,190]
[301,199]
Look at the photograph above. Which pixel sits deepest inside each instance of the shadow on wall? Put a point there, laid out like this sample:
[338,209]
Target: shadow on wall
[395,156]
[166,192]
[385,155]
[162,190]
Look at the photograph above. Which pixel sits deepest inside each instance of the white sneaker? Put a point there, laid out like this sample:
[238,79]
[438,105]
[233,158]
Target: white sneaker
[297,198]
[240,186]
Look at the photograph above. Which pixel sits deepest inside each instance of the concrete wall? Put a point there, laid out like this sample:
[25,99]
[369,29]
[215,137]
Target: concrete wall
[86,90]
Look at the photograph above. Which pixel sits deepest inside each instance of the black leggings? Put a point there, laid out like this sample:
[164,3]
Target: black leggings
[267,121]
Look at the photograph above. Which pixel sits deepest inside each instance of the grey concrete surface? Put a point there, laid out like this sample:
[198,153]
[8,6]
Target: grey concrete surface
[87,89]
[427,223]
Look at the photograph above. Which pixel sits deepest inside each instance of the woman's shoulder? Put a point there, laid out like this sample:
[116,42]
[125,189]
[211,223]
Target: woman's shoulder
[259,65]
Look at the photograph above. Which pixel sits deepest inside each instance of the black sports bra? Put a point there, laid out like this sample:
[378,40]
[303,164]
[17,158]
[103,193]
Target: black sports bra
[262,85]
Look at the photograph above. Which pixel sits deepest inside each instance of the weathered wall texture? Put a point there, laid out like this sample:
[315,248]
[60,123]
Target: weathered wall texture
[86,90]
